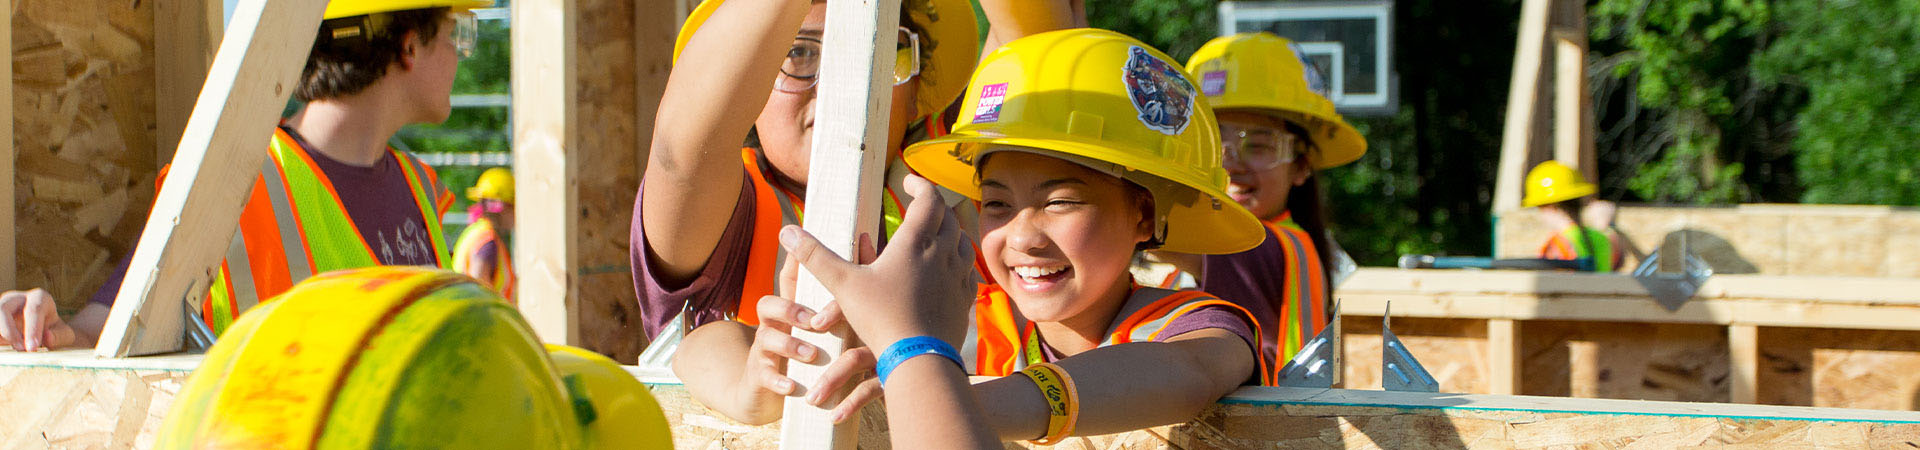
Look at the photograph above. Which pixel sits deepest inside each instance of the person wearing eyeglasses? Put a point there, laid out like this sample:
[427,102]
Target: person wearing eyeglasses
[1278,128]
[332,195]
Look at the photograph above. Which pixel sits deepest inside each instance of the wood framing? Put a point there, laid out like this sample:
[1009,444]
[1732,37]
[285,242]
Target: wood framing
[545,83]
[1551,43]
[1743,349]
[1503,356]
[8,253]
[843,200]
[186,34]
[220,153]
[1573,104]
[1522,100]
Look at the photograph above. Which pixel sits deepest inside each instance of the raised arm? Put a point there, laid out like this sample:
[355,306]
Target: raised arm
[718,86]
[1013,19]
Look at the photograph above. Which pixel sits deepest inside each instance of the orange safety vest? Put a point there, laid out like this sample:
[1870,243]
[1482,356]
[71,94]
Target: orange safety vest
[775,208]
[1576,242]
[293,226]
[1000,342]
[464,250]
[1303,308]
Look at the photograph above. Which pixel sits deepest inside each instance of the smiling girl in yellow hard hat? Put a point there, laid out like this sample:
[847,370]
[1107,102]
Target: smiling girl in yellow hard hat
[1084,147]
[1561,194]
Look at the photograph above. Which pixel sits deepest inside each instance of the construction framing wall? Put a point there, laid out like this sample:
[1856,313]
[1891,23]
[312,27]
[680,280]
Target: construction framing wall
[1810,341]
[1813,240]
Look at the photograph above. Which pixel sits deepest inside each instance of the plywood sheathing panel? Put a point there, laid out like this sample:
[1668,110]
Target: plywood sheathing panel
[1453,350]
[609,318]
[1815,240]
[83,111]
[1856,368]
[57,408]
[1670,362]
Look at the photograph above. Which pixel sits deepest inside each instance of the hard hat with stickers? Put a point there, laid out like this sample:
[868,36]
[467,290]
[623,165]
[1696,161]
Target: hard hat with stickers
[1270,74]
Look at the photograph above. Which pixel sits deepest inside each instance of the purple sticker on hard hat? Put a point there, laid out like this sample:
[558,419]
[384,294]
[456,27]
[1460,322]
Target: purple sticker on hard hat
[1214,83]
[1160,92]
[991,97]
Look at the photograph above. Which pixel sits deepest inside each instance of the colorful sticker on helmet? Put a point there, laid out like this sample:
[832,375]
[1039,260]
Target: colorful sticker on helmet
[1160,92]
[1316,81]
[991,97]
[1214,83]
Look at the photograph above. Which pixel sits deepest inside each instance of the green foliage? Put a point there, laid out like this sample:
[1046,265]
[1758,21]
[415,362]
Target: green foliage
[1687,62]
[1859,137]
[1177,27]
[472,129]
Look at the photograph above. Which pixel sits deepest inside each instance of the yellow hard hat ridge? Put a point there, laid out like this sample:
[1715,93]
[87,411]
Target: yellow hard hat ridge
[1552,182]
[368,358]
[1097,95]
[494,184]
[952,36]
[1267,73]
[349,8]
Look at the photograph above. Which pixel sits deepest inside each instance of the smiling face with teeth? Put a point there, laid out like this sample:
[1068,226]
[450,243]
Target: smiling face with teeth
[1058,236]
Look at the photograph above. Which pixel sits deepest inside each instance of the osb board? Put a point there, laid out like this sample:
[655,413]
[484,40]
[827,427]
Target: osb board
[1453,350]
[1868,369]
[1673,362]
[607,175]
[83,125]
[1864,241]
[1371,420]
[69,408]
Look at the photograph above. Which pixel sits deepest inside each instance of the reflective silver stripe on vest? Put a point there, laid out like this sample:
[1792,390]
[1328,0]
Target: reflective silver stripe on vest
[970,347]
[433,200]
[291,243]
[240,275]
[1303,289]
[1140,299]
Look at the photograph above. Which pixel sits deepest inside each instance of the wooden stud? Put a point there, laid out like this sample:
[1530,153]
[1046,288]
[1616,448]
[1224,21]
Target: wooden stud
[1573,106]
[8,253]
[1743,347]
[1522,100]
[849,159]
[220,154]
[545,170]
[1503,356]
[185,35]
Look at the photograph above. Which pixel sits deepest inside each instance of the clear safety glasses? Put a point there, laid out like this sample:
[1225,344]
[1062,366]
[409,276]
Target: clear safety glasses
[1258,148]
[466,31]
[801,70]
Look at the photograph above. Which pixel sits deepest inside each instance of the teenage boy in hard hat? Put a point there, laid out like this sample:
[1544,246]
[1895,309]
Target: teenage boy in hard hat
[481,251]
[332,195]
[1561,194]
[1278,129]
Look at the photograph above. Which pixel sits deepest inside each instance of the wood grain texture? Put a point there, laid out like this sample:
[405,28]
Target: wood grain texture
[220,153]
[546,146]
[1764,239]
[64,408]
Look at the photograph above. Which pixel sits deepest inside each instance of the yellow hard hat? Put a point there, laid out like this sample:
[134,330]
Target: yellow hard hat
[494,184]
[362,359]
[952,42]
[349,8]
[1099,95]
[1553,182]
[1267,73]
[625,414]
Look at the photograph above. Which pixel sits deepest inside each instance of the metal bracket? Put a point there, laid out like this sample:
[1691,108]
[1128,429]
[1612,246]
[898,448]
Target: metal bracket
[1672,290]
[1399,371]
[1317,363]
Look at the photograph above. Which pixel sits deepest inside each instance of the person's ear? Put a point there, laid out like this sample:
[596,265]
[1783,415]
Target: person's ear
[1302,168]
[409,49]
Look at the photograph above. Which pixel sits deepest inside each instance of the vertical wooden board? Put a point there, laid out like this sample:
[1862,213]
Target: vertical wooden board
[7,253]
[1503,356]
[843,200]
[1522,102]
[186,33]
[1638,361]
[1572,139]
[82,113]
[1453,350]
[1743,349]
[1868,369]
[608,315]
[197,213]
[545,164]
[655,24]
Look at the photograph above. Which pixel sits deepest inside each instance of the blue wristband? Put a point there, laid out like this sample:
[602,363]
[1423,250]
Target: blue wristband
[905,349]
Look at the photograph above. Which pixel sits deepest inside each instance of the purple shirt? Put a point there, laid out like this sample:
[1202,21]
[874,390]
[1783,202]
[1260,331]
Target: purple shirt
[1254,279]
[715,292]
[377,198]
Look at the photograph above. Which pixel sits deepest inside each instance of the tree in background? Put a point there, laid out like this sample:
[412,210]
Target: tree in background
[1859,134]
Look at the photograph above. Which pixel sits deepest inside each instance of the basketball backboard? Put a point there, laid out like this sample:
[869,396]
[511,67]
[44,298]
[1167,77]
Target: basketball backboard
[1350,42]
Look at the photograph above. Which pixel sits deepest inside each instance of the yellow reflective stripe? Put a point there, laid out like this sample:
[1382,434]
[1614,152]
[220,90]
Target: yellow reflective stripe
[292,244]
[222,301]
[240,275]
[1298,291]
[333,241]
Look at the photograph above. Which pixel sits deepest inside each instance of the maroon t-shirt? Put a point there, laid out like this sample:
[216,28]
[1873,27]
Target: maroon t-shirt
[378,199]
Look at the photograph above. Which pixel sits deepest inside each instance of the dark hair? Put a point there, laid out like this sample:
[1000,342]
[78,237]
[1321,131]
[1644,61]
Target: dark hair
[350,53]
[1309,209]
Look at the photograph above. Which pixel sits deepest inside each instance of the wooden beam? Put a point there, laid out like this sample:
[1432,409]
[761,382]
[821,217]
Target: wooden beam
[185,35]
[1503,356]
[222,150]
[843,200]
[1522,100]
[1743,347]
[8,252]
[545,139]
[1573,105]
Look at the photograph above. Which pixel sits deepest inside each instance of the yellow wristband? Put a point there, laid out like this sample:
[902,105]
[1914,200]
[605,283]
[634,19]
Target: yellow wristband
[1063,401]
